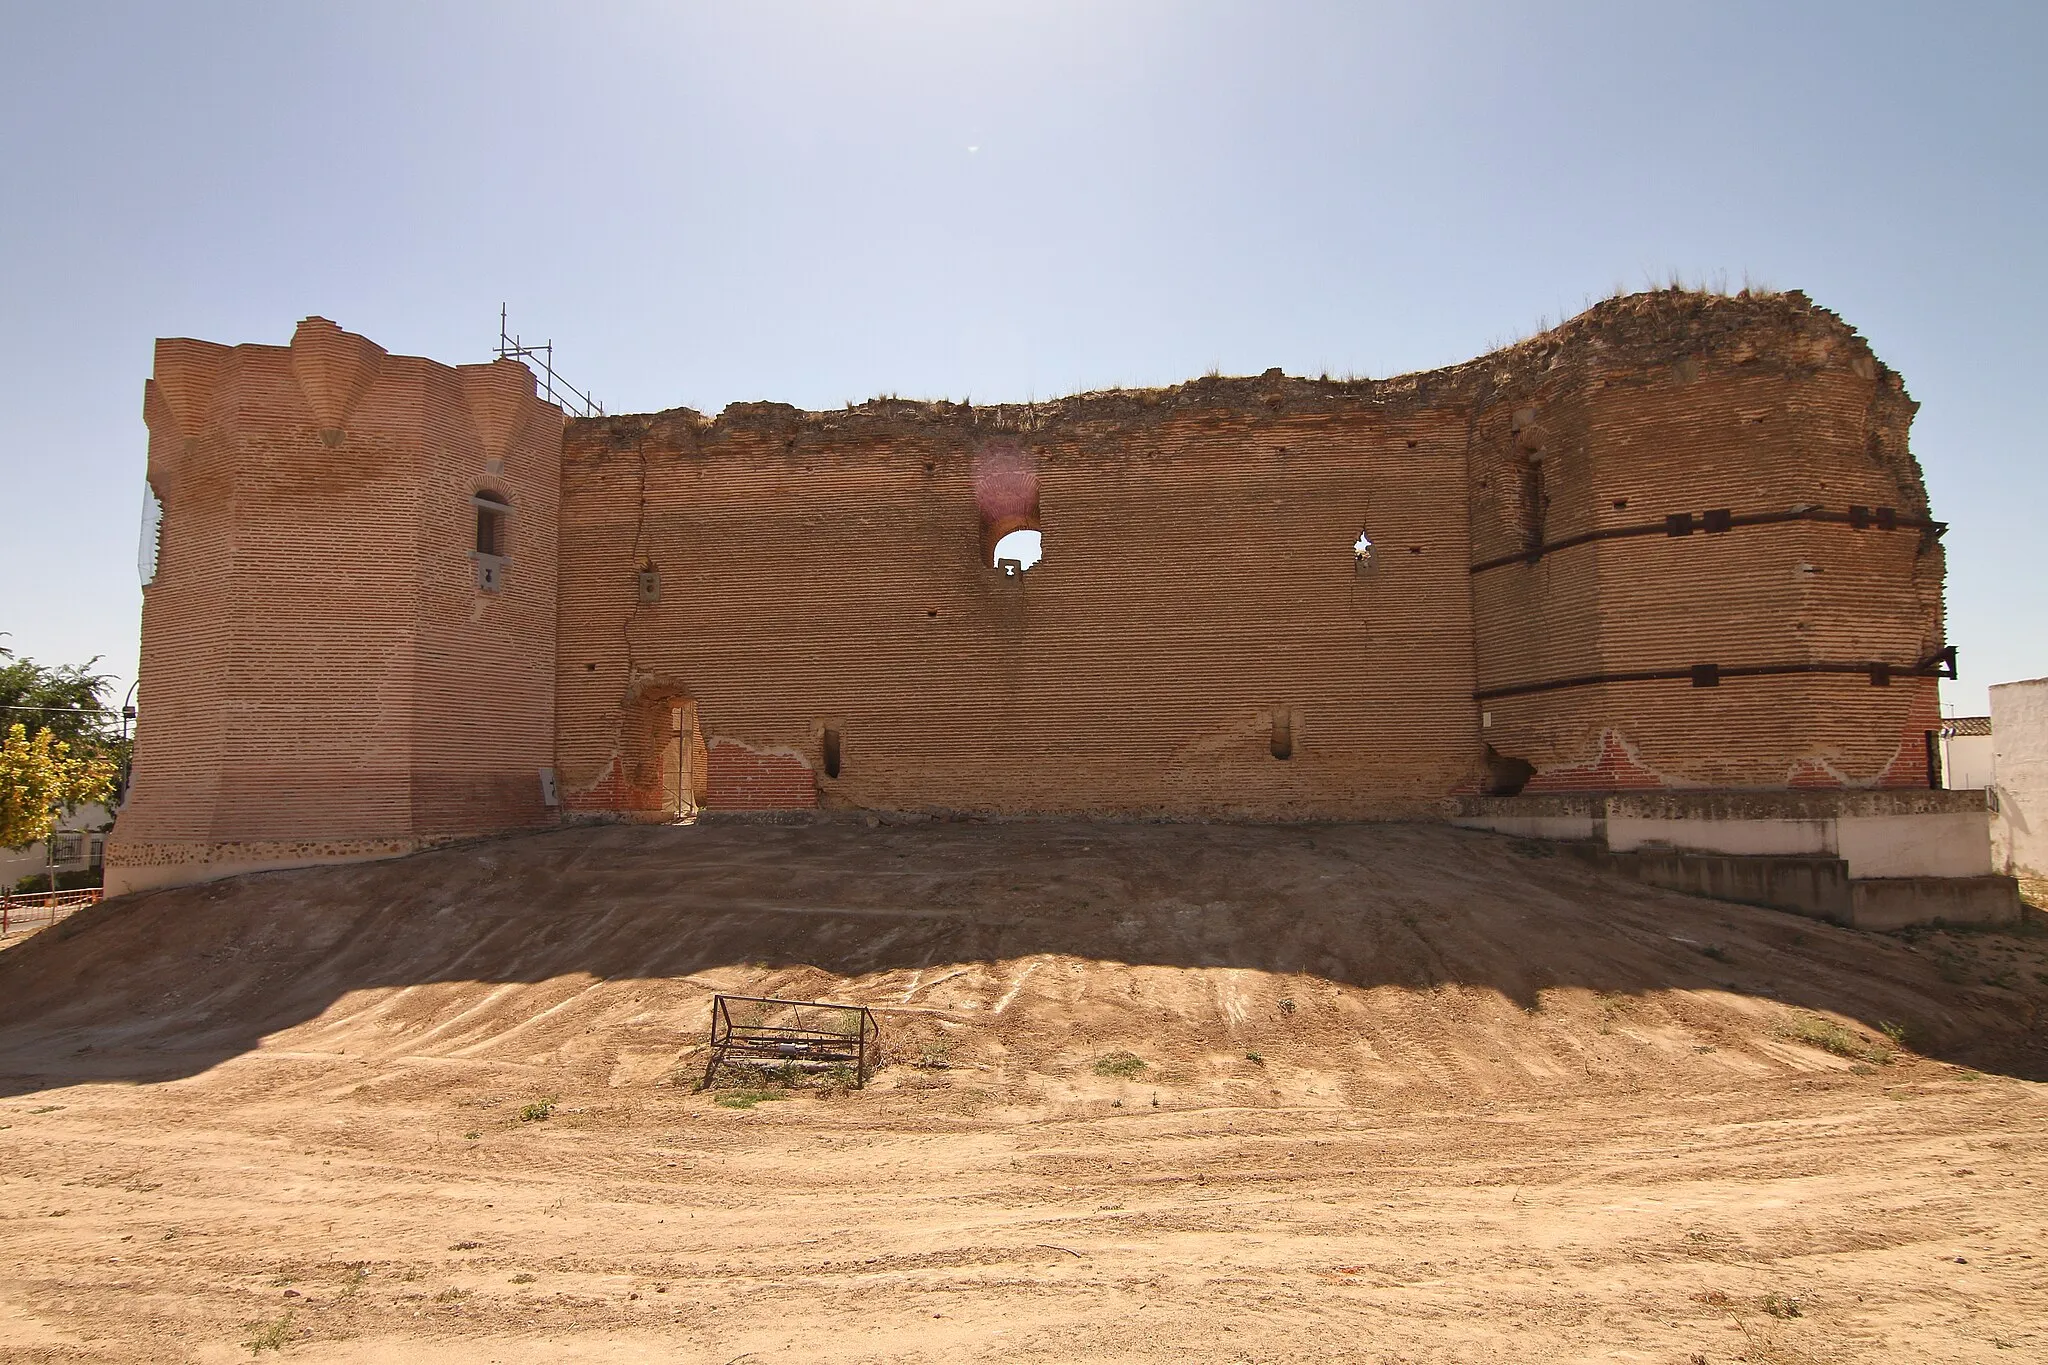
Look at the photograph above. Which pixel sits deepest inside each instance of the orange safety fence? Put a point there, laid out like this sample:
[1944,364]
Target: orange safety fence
[28,911]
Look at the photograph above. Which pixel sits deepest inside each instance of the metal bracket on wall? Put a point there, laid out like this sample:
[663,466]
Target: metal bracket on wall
[1940,664]
[1719,521]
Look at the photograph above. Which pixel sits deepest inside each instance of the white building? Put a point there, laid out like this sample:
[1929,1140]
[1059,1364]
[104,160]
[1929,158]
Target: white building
[2019,789]
[81,843]
[1966,753]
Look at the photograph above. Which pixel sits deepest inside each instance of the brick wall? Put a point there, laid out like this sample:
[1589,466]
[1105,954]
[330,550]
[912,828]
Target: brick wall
[317,663]
[1659,405]
[1199,640]
[827,570]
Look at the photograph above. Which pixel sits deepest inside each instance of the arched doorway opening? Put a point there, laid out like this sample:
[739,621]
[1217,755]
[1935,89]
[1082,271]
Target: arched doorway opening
[662,756]
[683,762]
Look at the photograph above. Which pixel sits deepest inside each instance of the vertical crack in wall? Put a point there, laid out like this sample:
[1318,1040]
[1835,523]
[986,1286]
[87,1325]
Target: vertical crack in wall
[632,612]
[1481,396]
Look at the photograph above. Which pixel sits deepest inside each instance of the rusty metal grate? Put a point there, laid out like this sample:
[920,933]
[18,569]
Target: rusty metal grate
[798,1035]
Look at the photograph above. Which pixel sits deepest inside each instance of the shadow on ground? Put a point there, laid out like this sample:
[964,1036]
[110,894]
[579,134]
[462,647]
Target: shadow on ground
[1414,954]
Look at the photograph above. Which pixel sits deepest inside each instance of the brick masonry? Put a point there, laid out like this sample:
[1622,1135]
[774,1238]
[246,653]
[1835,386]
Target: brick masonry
[319,670]
[1199,641]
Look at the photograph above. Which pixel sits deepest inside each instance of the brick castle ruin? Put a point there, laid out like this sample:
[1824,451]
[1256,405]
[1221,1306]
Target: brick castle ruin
[1678,543]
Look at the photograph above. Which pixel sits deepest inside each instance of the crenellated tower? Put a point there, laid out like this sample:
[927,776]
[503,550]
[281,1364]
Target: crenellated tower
[348,640]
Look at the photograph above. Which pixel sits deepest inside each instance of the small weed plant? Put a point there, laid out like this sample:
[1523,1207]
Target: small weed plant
[539,1111]
[1122,1065]
[827,1082]
[747,1099]
[270,1336]
[1781,1305]
[1829,1036]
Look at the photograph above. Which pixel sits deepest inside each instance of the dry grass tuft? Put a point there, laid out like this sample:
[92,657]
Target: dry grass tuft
[1829,1036]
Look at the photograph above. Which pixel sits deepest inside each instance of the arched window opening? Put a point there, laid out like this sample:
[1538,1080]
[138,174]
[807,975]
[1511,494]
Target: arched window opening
[1006,494]
[1016,552]
[493,543]
[1361,550]
[491,514]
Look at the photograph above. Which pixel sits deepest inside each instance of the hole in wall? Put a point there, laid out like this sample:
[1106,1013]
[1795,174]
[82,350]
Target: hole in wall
[1411,445]
[1414,549]
[1620,503]
[829,746]
[932,613]
[1018,551]
[590,668]
[1006,495]
[1361,550]
[1506,775]
[147,548]
[1281,742]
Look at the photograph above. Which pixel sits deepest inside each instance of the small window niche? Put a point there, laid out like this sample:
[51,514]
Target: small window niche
[493,554]
[828,745]
[1280,743]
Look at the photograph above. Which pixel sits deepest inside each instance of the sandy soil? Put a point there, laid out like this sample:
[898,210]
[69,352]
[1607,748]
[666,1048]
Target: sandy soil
[1407,1095]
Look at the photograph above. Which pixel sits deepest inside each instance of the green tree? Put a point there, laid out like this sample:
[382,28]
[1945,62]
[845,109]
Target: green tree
[40,778]
[69,701]
[59,748]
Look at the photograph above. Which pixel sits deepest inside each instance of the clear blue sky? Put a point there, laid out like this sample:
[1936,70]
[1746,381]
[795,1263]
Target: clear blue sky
[817,203]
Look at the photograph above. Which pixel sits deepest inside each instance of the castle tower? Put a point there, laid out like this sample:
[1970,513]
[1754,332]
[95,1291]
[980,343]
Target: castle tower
[348,640]
[1702,555]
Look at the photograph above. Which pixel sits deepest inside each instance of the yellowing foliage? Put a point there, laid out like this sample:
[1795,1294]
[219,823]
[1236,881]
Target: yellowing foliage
[39,778]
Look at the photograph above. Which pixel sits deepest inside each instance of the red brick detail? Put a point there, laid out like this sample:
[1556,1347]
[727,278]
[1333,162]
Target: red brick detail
[1616,768]
[609,792]
[743,778]
[1908,767]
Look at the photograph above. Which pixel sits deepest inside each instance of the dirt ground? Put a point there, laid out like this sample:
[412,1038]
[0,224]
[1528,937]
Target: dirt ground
[1153,1093]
